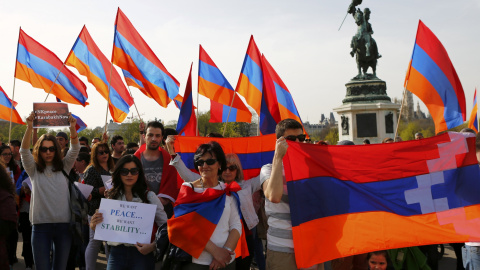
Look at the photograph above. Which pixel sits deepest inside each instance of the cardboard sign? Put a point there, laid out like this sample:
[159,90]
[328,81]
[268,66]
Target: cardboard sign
[50,114]
[85,189]
[125,222]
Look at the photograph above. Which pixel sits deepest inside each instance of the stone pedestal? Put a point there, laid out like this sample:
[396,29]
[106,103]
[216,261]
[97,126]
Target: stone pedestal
[367,112]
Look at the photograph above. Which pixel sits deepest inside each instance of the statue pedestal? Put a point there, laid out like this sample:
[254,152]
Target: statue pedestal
[367,112]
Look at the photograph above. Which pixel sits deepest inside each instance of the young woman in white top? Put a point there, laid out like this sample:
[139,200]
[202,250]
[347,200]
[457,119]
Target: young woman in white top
[50,201]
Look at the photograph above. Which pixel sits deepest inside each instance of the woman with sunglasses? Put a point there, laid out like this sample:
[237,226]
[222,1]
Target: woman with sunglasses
[101,163]
[50,202]
[7,158]
[129,184]
[232,173]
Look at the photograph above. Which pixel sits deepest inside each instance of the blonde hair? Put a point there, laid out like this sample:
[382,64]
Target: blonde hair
[233,159]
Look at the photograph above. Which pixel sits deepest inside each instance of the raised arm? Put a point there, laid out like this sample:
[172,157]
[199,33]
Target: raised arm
[28,133]
[273,186]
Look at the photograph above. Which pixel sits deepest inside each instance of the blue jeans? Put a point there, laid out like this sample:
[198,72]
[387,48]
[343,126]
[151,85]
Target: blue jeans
[471,257]
[123,257]
[258,250]
[43,236]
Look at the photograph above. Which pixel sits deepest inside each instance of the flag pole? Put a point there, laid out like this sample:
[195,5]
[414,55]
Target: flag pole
[228,115]
[51,87]
[198,105]
[134,104]
[13,94]
[401,109]
[108,93]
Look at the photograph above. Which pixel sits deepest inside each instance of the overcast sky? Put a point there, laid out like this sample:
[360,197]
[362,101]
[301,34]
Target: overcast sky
[299,38]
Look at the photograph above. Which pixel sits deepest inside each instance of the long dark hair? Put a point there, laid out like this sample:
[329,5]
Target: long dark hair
[139,188]
[11,164]
[5,181]
[94,160]
[57,158]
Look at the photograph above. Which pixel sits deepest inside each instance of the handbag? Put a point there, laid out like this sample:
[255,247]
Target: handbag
[78,210]
[175,257]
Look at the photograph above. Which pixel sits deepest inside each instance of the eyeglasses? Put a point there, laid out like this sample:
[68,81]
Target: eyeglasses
[44,149]
[125,171]
[232,167]
[293,138]
[101,153]
[6,154]
[200,162]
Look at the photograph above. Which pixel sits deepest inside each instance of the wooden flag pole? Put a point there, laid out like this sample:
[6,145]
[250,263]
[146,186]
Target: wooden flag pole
[198,105]
[228,115]
[401,109]
[11,112]
[51,87]
[134,104]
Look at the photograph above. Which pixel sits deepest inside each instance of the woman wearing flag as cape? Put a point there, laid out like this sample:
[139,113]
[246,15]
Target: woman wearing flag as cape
[214,209]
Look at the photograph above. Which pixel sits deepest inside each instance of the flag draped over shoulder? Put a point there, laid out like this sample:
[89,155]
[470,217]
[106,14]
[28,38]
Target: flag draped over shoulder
[6,108]
[473,122]
[213,85]
[347,200]
[144,70]
[278,100]
[187,121]
[253,152]
[39,66]
[87,58]
[202,209]
[432,78]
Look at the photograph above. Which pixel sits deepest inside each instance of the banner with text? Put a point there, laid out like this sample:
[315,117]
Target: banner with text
[50,114]
[125,222]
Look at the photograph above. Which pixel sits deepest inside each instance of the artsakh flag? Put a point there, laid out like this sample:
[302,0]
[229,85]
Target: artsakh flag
[187,121]
[347,200]
[87,58]
[145,71]
[39,66]
[80,124]
[473,122]
[213,85]
[277,99]
[6,108]
[432,78]
[201,209]
[253,152]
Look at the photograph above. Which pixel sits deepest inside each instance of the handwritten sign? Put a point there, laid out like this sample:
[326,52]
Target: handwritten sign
[50,114]
[107,182]
[85,189]
[125,222]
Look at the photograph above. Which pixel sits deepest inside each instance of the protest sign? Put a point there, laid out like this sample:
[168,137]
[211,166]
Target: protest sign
[125,222]
[27,183]
[107,181]
[50,114]
[85,189]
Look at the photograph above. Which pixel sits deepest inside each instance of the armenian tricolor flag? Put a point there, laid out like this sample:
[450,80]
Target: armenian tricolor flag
[6,108]
[432,78]
[80,124]
[87,58]
[132,53]
[473,122]
[347,200]
[253,152]
[213,85]
[201,209]
[187,121]
[39,66]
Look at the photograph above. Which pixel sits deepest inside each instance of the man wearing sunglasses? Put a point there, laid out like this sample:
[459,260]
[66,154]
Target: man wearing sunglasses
[161,177]
[280,250]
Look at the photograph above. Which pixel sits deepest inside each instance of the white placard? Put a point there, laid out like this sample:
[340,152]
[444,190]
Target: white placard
[125,222]
[107,181]
[85,189]
[27,182]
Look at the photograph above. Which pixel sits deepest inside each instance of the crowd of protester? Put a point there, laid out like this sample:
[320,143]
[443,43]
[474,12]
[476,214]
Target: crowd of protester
[35,200]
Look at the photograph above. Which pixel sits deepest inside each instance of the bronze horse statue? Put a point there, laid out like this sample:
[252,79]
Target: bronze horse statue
[364,59]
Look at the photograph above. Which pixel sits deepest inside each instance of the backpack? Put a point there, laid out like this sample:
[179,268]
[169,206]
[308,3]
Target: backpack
[78,210]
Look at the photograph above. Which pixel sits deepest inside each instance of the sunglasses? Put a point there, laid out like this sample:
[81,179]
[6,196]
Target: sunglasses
[293,138]
[200,162]
[125,171]
[232,167]
[44,149]
[101,153]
